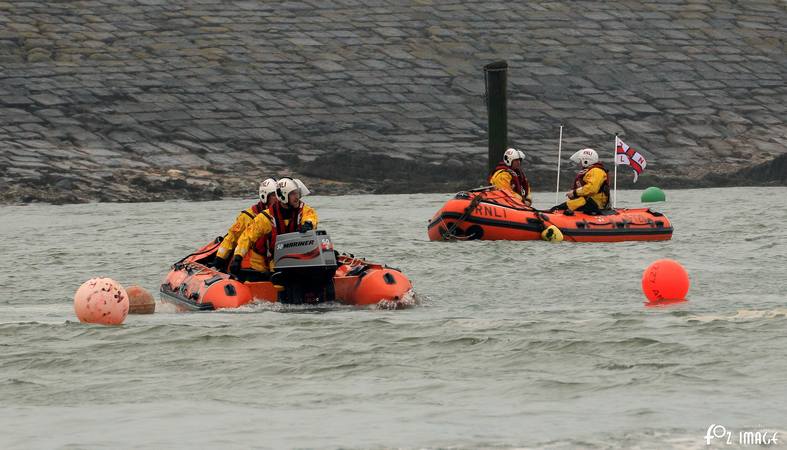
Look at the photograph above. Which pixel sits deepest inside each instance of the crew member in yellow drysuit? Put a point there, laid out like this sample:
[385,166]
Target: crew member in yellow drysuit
[508,175]
[590,192]
[244,219]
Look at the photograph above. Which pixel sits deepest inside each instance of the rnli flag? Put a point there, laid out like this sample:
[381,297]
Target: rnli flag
[627,155]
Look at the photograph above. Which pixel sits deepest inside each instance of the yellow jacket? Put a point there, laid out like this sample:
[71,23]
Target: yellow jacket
[592,183]
[502,179]
[262,226]
[308,214]
[244,219]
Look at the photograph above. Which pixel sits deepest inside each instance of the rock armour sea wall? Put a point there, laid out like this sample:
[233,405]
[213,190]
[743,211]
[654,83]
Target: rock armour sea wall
[152,99]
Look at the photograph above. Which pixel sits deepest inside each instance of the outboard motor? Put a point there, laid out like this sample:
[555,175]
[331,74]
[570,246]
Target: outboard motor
[305,264]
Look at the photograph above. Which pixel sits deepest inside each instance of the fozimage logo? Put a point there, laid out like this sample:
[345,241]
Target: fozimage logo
[721,433]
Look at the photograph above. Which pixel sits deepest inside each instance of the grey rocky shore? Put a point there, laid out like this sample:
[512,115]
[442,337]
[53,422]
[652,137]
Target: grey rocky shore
[102,100]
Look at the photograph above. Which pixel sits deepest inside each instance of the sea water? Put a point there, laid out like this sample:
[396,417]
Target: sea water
[512,344]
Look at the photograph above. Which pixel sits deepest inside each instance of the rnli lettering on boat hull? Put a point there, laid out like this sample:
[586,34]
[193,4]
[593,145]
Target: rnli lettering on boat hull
[489,211]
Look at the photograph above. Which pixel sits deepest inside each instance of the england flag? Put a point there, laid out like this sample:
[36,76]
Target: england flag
[627,155]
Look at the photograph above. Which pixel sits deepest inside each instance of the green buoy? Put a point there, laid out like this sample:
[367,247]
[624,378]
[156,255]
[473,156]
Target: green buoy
[653,194]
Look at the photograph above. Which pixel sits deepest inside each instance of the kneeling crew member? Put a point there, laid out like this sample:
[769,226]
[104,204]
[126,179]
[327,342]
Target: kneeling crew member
[508,175]
[267,193]
[590,193]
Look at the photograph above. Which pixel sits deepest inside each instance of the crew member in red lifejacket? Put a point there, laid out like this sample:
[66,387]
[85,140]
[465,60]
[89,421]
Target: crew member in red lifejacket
[590,192]
[268,198]
[288,215]
[508,175]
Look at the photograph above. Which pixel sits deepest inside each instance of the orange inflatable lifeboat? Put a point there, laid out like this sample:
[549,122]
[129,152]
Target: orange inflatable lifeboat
[494,214]
[308,271]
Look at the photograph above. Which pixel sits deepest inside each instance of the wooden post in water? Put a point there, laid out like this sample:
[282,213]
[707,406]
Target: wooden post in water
[497,109]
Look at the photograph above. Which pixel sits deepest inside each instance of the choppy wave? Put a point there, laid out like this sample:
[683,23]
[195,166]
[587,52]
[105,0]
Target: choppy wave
[742,315]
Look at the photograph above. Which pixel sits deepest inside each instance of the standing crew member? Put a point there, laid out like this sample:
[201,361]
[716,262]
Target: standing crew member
[590,192]
[508,175]
[267,199]
[287,215]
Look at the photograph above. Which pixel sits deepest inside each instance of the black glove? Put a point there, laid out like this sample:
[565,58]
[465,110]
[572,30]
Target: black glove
[235,264]
[219,263]
[306,226]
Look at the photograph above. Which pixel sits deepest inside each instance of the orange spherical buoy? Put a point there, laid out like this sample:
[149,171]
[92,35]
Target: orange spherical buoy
[140,300]
[665,282]
[101,300]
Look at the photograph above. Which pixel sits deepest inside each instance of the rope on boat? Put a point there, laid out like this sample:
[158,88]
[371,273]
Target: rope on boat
[449,234]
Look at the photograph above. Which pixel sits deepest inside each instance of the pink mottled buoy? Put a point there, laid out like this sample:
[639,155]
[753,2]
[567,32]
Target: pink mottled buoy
[140,300]
[101,300]
[665,282]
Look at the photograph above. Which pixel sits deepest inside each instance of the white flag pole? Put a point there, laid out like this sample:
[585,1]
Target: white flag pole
[615,160]
[559,150]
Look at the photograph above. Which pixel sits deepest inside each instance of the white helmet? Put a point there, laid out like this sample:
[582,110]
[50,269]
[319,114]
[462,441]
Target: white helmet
[266,188]
[585,157]
[512,154]
[287,185]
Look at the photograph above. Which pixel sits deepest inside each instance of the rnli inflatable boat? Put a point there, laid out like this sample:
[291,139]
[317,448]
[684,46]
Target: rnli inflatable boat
[492,214]
[308,271]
